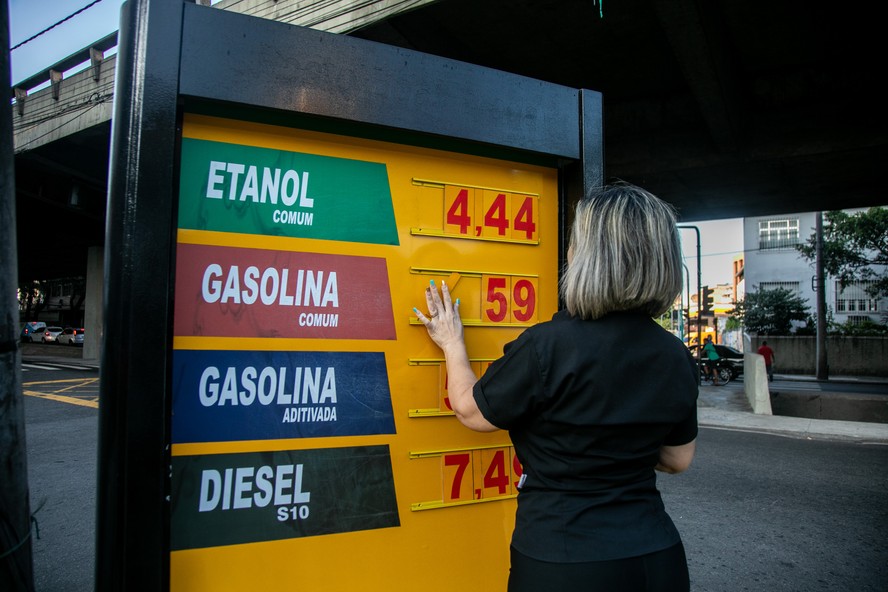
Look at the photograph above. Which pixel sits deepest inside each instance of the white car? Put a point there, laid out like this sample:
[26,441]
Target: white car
[51,334]
[33,331]
[71,336]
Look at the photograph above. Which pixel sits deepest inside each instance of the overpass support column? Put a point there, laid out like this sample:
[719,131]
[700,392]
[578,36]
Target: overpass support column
[95,297]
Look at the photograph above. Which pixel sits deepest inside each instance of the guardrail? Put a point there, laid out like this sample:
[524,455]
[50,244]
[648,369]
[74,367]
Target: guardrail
[95,54]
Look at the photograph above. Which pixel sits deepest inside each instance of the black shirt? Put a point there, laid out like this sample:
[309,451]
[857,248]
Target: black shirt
[588,405]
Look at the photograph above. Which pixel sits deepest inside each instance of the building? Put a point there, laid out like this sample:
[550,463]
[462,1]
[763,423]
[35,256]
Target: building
[55,302]
[713,316]
[772,261]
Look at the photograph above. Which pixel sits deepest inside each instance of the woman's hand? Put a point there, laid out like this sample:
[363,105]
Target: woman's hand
[446,330]
[442,322]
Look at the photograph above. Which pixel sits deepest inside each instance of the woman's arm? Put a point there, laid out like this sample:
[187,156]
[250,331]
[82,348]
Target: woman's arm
[445,328]
[676,459]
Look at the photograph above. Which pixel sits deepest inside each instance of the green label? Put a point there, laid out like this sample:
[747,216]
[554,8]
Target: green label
[232,499]
[250,190]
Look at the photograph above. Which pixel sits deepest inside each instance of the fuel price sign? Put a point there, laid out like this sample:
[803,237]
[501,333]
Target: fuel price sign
[311,423]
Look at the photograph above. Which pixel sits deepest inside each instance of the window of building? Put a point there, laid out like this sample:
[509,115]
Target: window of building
[778,233]
[854,298]
[793,287]
[858,320]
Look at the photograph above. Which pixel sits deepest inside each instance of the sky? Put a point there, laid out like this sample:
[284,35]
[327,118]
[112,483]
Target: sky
[721,240]
[29,17]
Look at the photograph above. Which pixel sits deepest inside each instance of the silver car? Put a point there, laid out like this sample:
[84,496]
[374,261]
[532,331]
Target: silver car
[71,336]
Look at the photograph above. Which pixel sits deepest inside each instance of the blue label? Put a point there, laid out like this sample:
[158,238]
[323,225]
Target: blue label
[221,396]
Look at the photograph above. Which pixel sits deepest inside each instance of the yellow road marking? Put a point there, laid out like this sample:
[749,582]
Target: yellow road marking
[61,380]
[64,385]
[63,399]
[73,386]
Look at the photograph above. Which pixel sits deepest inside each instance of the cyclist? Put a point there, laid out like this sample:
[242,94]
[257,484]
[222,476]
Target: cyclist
[710,361]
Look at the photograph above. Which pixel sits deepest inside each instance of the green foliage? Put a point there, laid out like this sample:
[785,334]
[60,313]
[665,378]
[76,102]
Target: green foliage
[30,298]
[860,329]
[771,312]
[809,328]
[852,245]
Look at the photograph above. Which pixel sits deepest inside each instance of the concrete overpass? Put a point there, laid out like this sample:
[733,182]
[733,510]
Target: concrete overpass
[724,108]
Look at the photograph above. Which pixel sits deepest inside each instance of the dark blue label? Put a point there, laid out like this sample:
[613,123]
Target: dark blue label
[221,396]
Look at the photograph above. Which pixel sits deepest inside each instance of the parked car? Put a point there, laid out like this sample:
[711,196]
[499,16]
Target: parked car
[33,331]
[50,334]
[71,336]
[733,359]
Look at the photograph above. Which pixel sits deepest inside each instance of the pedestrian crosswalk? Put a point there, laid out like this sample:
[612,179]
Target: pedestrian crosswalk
[26,366]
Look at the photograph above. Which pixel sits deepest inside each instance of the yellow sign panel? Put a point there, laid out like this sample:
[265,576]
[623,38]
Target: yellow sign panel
[313,443]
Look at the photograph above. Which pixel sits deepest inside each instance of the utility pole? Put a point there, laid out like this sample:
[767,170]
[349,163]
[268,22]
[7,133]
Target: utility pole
[16,562]
[822,362]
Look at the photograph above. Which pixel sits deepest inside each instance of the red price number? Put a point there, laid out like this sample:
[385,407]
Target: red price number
[508,299]
[489,214]
[444,404]
[480,474]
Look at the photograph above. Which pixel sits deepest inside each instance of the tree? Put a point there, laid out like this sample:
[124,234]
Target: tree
[771,312]
[31,299]
[855,248]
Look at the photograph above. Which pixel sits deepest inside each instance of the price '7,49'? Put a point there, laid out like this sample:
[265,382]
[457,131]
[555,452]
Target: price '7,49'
[480,474]
[486,213]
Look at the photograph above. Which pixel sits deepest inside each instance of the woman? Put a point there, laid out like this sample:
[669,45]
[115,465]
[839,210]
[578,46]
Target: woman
[595,401]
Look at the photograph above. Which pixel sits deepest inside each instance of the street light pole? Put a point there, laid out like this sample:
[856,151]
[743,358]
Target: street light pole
[699,292]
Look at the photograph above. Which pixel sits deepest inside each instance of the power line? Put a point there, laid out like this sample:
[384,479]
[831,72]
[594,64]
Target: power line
[88,107]
[69,17]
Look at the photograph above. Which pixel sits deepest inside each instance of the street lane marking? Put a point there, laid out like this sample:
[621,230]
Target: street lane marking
[83,381]
[30,366]
[79,368]
[53,389]
[94,403]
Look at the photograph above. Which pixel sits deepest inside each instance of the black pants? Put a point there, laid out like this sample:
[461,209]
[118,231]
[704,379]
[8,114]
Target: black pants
[663,571]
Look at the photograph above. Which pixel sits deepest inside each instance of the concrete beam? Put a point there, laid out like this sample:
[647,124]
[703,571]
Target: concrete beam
[84,100]
[334,17]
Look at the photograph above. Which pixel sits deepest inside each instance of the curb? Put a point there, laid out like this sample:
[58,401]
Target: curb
[797,427]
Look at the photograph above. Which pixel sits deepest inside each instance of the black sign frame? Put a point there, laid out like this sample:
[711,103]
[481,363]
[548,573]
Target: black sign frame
[178,56]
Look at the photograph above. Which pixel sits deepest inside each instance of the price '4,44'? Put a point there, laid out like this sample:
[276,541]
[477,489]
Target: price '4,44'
[489,214]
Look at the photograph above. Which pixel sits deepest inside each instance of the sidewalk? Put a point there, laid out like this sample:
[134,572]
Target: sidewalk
[727,408]
[721,407]
[37,353]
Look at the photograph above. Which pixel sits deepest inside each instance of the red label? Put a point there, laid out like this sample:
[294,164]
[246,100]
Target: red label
[234,292]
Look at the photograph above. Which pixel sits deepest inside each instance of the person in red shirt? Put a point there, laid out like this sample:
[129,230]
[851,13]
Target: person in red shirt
[768,354]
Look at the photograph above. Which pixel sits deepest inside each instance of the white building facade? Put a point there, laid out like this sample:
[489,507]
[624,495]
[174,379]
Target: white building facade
[772,261]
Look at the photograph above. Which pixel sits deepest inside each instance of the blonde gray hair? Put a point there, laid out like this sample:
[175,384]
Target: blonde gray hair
[625,254]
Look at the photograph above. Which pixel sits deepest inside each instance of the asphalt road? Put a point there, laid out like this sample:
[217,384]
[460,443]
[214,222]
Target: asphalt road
[61,438]
[770,513]
[757,512]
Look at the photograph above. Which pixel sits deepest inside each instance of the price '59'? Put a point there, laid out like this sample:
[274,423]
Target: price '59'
[480,474]
[509,299]
[486,213]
